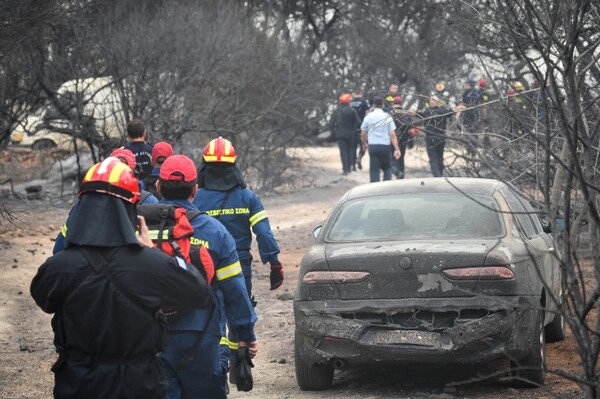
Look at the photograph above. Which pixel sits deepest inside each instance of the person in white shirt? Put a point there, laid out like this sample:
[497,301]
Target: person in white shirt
[379,130]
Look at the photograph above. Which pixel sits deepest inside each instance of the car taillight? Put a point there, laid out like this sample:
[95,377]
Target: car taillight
[334,277]
[480,273]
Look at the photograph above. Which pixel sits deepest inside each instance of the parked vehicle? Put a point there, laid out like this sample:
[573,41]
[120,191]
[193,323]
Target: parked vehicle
[435,270]
[87,108]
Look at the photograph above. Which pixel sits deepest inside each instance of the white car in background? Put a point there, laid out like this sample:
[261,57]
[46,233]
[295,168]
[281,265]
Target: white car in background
[95,101]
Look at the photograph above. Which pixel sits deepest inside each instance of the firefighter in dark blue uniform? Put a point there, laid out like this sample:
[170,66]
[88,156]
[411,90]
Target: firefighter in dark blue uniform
[206,375]
[223,194]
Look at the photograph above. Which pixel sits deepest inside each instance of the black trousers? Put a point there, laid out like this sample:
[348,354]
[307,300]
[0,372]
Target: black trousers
[347,147]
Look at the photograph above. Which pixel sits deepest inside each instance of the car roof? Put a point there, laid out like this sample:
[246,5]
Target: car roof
[438,185]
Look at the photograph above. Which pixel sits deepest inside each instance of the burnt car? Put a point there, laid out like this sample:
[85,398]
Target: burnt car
[438,270]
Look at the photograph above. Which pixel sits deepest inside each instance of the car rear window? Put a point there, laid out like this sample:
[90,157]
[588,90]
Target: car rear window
[417,216]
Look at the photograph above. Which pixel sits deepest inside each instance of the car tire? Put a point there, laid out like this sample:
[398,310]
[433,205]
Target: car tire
[530,371]
[43,144]
[317,377]
[555,331]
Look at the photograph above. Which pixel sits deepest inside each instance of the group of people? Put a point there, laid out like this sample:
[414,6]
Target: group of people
[386,130]
[107,282]
[384,122]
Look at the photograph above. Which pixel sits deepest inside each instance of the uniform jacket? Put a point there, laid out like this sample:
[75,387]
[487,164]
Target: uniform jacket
[228,274]
[436,120]
[242,213]
[344,122]
[361,106]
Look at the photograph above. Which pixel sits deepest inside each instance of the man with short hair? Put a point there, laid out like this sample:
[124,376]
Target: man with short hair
[206,375]
[106,289]
[379,130]
[136,133]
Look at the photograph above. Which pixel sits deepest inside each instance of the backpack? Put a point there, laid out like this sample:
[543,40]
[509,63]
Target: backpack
[171,231]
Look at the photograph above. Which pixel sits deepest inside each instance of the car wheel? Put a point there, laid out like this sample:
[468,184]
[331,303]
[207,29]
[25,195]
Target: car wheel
[555,331]
[43,144]
[317,377]
[530,370]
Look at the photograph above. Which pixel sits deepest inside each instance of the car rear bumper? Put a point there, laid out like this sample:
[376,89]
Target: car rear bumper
[327,332]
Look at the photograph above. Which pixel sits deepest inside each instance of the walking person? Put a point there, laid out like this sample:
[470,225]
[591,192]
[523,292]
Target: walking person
[469,113]
[344,125]
[434,124]
[205,376]
[379,130]
[136,133]
[106,289]
[223,194]
[361,106]
[403,124]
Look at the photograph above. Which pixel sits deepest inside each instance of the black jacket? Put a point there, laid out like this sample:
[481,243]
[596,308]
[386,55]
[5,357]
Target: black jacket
[107,342]
[344,122]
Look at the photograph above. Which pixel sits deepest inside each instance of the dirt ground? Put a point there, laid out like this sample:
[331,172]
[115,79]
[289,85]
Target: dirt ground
[27,352]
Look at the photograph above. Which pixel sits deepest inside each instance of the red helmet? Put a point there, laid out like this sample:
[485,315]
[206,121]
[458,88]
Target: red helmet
[482,82]
[219,150]
[112,177]
[398,99]
[125,155]
[345,98]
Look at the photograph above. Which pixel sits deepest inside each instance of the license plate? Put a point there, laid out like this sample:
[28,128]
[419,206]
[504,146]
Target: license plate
[402,337]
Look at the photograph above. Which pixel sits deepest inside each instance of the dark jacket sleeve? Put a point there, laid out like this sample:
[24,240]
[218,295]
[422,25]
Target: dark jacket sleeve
[47,287]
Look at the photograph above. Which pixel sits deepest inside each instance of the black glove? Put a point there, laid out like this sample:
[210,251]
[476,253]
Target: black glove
[276,276]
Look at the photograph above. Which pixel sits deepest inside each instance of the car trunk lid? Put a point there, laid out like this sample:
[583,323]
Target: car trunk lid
[407,269]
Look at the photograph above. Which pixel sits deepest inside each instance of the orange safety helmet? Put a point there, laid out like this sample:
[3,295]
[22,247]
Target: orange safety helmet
[440,87]
[112,177]
[345,98]
[219,150]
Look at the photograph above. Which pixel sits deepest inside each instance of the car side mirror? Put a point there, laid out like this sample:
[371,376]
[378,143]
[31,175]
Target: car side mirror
[317,231]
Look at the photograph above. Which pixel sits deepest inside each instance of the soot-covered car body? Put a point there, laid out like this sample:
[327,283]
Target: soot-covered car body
[455,270]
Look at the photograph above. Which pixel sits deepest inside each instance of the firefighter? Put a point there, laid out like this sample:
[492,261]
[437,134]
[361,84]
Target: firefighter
[223,194]
[206,374]
[105,291]
[344,125]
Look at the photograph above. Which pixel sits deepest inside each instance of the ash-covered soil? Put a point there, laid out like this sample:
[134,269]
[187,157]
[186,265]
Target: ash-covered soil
[27,352]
